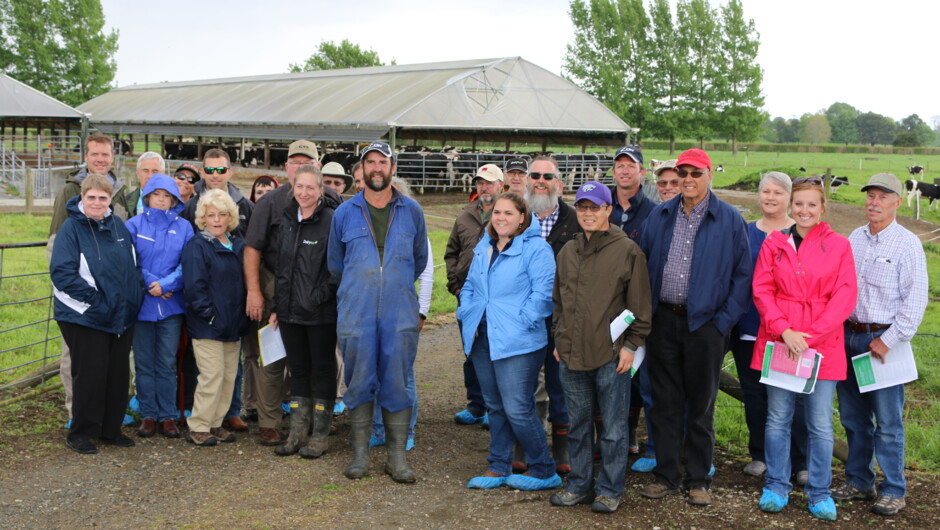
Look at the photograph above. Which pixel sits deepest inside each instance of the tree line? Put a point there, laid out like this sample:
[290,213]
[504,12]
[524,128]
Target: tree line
[842,123]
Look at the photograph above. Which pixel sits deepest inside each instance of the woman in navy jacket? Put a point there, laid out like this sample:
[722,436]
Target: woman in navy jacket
[503,308]
[215,313]
[159,234]
[98,290]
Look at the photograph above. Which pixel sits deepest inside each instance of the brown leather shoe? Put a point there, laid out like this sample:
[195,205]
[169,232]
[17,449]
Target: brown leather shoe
[700,496]
[222,434]
[657,490]
[203,439]
[270,437]
[148,427]
[170,429]
[236,424]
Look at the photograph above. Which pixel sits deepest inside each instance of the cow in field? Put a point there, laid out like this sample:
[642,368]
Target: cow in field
[917,172]
[923,189]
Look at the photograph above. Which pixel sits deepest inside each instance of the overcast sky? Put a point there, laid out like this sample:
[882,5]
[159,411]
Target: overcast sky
[813,52]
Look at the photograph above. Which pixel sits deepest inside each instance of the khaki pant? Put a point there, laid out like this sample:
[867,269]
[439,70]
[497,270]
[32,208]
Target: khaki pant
[218,366]
[340,376]
[271,385]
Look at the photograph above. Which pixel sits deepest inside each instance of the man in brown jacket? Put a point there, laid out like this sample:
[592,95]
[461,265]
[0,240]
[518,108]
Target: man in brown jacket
[599,274]
[468,229]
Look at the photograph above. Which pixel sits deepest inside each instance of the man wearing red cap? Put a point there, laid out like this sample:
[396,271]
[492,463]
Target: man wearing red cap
[700,276]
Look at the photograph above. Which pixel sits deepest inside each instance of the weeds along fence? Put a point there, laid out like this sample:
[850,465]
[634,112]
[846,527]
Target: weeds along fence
[29,339]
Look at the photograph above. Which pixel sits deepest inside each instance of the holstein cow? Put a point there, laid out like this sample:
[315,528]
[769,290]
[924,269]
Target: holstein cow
[916,172]
[923,189]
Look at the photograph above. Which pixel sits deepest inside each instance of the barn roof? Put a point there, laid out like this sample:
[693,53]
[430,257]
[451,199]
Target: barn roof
[18,100]
[498,98]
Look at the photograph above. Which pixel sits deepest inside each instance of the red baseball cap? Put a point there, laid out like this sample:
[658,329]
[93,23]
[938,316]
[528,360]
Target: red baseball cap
[696,158]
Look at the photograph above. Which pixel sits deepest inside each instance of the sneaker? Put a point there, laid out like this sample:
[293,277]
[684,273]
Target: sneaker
[888,506]
[770,502]
[375,441]
[465,417]
[848,492]
[339,408]
[657,490]
[203,439]
[81,445]
[487,481]
[222,434]
[567,498]
[605,505]
[825,510]
[644,465]
[120,441]
[699,496]
[525,482]
[755,468]
[802,477]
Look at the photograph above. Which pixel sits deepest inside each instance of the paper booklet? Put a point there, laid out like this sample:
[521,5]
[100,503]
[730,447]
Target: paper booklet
[272,348]
[797,375]
[898,368]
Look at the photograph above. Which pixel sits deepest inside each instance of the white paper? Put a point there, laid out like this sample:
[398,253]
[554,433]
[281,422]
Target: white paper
[638,357]
[620,324]
[785,381]
[272,348]
[899,368]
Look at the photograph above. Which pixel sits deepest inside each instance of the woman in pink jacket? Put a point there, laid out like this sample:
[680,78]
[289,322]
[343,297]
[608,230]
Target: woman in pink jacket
[804,289]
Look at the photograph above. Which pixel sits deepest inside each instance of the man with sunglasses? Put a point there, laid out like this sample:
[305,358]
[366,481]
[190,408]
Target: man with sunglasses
[700,271]
[216,173]
[186,176]
[631,205]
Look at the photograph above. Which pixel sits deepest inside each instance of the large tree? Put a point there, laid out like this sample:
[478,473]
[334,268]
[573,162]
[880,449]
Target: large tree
[816,129]
[739,77]
[842,118]
[670,75]
[921,133]
[697,29]
[874,128]
[332,56]
[58,46]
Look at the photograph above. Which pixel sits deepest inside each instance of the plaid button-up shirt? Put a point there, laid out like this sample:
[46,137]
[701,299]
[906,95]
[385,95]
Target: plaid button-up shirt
[675,287]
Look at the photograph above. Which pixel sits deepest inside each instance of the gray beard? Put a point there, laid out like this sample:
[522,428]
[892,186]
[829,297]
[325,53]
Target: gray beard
[378,187]
[541,203]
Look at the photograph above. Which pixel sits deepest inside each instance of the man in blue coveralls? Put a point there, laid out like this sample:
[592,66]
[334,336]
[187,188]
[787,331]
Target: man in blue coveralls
[378,248]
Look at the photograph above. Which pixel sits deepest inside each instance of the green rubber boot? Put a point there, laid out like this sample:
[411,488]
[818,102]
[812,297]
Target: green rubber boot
[396,435]
[299,425]
[318,443]
[360,427]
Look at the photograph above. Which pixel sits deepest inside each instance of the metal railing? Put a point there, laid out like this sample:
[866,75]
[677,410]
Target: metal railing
[50,158]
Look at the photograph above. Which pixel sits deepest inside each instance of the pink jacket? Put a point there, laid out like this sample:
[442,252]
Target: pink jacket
[813,291]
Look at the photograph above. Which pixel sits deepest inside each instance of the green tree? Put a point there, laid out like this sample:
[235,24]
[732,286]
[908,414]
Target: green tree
[670,75]
[874,128]
[922,133]
[332,56]
[842,118]
[58,47]
[609,57]
[698,32]
[816,129]
[769,132]
[739,77]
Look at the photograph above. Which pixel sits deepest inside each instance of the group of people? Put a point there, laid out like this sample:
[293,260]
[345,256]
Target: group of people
[540,285]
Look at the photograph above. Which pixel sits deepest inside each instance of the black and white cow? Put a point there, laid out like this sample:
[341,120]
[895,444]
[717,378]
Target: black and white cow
[923,189]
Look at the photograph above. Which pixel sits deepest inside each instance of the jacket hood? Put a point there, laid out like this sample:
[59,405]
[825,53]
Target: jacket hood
[79,176]
[76,210]
[822,231]
[162,182]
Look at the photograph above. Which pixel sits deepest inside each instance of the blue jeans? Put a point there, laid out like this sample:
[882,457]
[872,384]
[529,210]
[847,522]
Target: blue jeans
[155,345]
[508,387]
[818,406]
[610,392]
[868,439]
[378,425]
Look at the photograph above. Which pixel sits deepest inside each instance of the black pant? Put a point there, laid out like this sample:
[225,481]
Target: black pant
[100,374]
[311,356]
[684,368]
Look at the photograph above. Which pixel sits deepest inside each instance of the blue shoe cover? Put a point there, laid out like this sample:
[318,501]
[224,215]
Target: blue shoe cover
[134,405]
[285,406]
[644,465]
[410,444]
[825,510]
[128,419]
[339,409]
[188,413]
[68,424]
[771,502]
[376,441]
[486,483]
[465,417]
[527,483]
[711,471]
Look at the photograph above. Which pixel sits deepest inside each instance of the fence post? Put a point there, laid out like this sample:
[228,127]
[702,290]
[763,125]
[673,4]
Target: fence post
[29,191]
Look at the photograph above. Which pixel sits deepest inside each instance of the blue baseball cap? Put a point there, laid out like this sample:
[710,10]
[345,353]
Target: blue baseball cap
[632,151]
[381,147]
[595,192]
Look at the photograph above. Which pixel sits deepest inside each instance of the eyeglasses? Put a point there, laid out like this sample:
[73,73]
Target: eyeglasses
[219,215]
[216,170]
[184,176]
[543,176]
[667,183]
[695,174]
[812,180]
[588,207]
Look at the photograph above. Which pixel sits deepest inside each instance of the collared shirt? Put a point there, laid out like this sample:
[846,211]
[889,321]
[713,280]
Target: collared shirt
[484,213]
[891,269]
[631,219]
[678,267]
[548,222]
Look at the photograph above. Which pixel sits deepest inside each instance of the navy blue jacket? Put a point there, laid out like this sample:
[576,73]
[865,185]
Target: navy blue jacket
[640,208]
[95,273]
[720,283]
[214,283]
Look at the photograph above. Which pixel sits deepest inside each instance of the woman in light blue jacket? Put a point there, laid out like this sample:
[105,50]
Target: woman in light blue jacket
[503,307]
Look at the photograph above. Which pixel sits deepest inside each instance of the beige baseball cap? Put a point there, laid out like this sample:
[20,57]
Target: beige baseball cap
[886,182]
[303,147]
[490,173]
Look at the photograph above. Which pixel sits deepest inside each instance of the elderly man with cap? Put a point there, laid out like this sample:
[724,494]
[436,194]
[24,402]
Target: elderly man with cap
[186,177]
[467,231]
[667,180]
[378,248]
[892,295]
[600,273]
[700,271]
[515,175]
[631,205]
[335,177]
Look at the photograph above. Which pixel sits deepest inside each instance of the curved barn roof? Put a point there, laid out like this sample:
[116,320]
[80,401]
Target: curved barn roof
[18,100]
[488,97]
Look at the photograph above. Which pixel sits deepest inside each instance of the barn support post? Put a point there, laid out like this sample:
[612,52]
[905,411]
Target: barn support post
[545,146]
[392,138]
[583,148]
[199,148]
[241,152]
[146,142]
[827,181]
[28,192]
[163,146]
[508,143]
[473,143]
[267,154]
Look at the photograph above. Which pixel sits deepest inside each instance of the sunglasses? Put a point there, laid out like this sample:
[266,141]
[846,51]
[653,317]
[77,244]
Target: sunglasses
[811,180]
[668,183]
[216,170]
[587,207]
[543,176]
[695,174]
[187,178]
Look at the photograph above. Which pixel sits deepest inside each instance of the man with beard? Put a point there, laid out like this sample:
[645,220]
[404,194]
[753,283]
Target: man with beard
[559,225]
[467,231]
[378,248]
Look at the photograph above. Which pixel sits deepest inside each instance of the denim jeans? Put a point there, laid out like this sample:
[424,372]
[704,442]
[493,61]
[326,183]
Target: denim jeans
[155,345]
[609,391]
[474,395]
[818,406]
[873,425]
[378,425]
[508,387]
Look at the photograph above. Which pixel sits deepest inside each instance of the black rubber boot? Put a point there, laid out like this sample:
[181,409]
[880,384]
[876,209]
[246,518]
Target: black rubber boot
[360,427]
[396,436]
[318,443]
[299,425]
[560,447]
[520,464]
